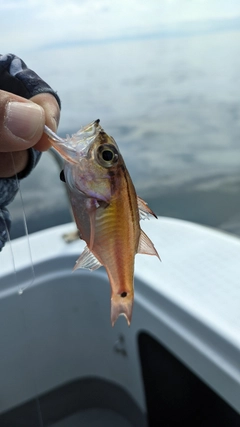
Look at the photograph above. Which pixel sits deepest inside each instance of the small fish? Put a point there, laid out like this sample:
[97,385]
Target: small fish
[106,209]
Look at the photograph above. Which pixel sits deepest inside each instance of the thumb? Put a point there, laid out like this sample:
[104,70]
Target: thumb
[21,122]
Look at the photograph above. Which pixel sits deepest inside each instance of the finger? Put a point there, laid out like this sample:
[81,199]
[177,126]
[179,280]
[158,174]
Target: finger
[21,122]
[52,116]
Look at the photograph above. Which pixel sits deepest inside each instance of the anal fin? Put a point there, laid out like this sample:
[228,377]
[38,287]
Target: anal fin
[146,246]
[87,260]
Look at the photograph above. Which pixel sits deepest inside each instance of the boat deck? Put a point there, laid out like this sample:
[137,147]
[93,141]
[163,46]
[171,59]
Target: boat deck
[96,417]
[188,304]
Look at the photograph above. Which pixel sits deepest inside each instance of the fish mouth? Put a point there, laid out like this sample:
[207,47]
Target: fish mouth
[121,307]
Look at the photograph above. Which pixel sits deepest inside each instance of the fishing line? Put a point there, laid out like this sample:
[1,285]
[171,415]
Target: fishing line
[25,229]
[31,364]
[8,239]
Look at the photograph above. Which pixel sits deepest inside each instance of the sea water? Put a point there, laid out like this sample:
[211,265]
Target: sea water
[171,103]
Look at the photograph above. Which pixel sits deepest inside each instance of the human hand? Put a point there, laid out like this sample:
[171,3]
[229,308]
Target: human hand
[21,127]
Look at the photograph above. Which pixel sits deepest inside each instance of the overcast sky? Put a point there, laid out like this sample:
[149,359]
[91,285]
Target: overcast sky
[31,24]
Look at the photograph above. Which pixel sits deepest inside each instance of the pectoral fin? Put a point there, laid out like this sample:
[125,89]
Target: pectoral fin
[87,260]
[92,217]
[144,210]
[92,205]
[146,246]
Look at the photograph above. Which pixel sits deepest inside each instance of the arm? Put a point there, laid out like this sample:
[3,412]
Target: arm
[18,84]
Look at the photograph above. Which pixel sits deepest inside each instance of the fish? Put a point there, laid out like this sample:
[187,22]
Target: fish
[106,209]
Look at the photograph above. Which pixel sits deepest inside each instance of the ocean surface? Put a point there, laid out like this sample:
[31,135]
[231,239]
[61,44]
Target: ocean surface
[173,106]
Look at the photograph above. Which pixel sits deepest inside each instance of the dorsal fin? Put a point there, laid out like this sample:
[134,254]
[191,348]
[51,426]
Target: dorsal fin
[146,246]
[144,210]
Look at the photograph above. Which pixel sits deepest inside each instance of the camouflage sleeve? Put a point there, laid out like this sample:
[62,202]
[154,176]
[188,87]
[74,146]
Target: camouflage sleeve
[17,78]
[8,190]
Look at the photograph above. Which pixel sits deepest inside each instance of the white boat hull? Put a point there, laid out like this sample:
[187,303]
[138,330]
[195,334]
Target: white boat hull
[58,330]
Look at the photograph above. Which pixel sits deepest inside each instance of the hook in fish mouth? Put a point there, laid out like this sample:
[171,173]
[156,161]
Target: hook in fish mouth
[91,127]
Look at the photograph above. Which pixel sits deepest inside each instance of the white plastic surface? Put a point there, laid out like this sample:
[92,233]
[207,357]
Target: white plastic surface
[94,418]
[200,271]
[190,302]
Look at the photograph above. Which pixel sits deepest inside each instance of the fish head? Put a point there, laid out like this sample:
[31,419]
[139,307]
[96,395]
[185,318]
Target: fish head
[95,164]
[74,147]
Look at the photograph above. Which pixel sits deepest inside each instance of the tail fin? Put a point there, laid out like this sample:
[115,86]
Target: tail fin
[121,306]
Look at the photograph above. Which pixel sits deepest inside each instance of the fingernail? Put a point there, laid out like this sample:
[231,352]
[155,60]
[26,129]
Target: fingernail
[54,123]
[23,120]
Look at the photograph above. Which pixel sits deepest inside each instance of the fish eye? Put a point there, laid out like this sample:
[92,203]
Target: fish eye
[107,155]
